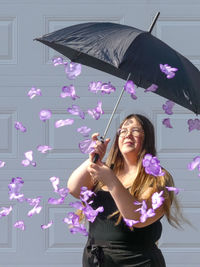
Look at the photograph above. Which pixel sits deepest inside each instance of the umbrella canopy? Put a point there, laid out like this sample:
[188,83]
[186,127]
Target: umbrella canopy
[122,50]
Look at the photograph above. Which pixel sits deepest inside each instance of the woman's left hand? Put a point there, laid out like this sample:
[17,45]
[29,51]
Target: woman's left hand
[102,173]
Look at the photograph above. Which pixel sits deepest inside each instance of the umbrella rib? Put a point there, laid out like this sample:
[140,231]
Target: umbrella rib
[116,105]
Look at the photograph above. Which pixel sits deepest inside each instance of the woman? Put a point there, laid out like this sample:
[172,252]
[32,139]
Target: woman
[119,185]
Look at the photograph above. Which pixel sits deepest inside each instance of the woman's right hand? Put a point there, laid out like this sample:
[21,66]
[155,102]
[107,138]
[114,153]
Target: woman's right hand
[100,148]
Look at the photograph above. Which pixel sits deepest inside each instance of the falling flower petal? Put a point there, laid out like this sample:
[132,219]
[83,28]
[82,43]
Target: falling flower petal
[147,214]
[130,223]
[5,211]
[43,149]
[84,131]
[63,192]
[55,201]
[95,113]
[95,87]
[107,88]
[157,200]
[61,123]
[77,205]
[33,92]
[90,213]
[19,126]
[104,88]
[69,91]
[195,163]
[75,110]
[33,201]
[57,61]
[20,225]
[85,193]
[45,115]
[151,88]
[167,107]
[167,123]
[169,71]
[80,229]
[87,146]
[35,210]
[2,164]
[152,165]
[171,188]
[72,220]
[194,124]
[55,182]
[73,70]
[14,189]
[130,88]
[44,227]
[29,157]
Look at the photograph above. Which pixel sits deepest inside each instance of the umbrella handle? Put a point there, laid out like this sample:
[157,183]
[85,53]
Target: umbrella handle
[96,156]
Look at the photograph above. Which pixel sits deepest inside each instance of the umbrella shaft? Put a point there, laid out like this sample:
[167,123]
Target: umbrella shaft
[116,105]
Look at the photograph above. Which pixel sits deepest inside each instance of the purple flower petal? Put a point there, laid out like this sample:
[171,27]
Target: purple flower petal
[107,88]
[87,146]
[43,149]
[77,205]
[95,113]
[130,223]
[19,126]
[73,70]
[55,201]
[167,107]
[90,213]
[45,115]
[29,155]
[57,61]
[63,192]
[14,189]
[86,194]
[168,70]
[152,165]
[84,131]
[69,91]
[5,211]
[20,225]
[80,229]
[33,92]
[35,210]
[44,227]
[194,124]
[167,123]
[55,182]
[75,110]
[25,162]
[130,89]
[171,188]
[61,123]
[195,163]
[2,164]
[151,88]
[95,87]
[157,200]
[33,201]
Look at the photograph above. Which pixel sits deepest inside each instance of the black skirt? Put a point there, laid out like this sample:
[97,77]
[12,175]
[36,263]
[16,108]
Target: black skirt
[120,254]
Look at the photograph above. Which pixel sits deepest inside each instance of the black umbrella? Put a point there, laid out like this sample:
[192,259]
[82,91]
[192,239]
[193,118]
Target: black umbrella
[129,53]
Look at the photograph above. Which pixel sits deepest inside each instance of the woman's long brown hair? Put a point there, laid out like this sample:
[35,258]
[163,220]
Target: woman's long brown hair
[143,180]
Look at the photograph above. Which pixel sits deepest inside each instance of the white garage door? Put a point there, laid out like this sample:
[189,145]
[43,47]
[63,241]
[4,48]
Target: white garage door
[25,64]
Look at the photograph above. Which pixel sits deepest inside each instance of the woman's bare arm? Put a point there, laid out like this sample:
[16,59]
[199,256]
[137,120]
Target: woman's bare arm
[80,177]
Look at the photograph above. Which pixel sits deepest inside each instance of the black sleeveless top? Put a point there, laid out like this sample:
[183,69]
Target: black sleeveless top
[104,229]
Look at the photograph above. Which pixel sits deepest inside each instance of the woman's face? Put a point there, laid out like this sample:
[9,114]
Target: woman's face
[131,137]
